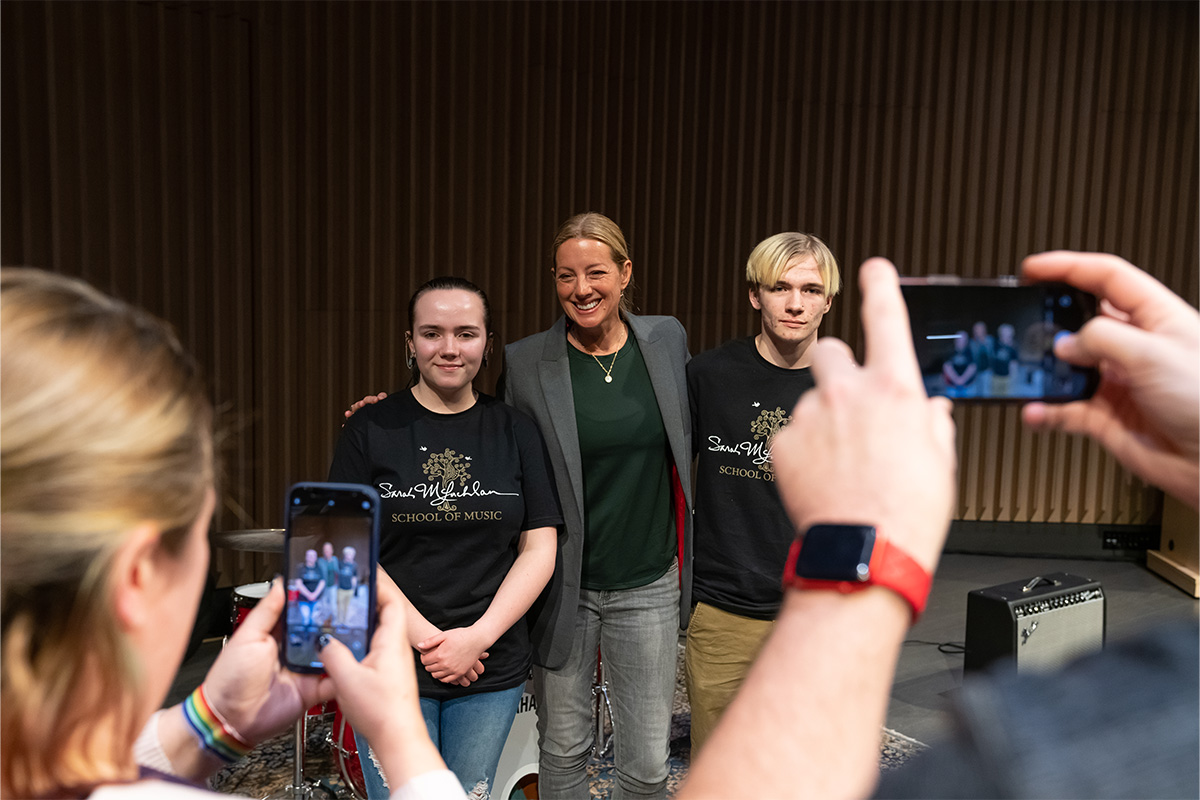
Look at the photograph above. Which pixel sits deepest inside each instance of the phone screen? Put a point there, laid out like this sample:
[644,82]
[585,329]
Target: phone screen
[994,340]
[330,551]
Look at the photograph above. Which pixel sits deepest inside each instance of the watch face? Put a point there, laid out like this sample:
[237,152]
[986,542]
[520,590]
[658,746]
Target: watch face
[836,553]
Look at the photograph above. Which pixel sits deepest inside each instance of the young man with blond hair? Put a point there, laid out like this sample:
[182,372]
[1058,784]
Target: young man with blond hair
[741,395]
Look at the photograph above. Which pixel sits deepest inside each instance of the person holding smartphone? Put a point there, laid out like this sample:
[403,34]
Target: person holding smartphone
[1118,723]
[107,473]
[469,527]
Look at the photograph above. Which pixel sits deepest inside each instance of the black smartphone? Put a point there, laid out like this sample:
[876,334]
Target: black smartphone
[330,549]
[993,339]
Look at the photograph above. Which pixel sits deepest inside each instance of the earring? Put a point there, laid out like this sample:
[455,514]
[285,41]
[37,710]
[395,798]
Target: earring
[485,361]
[410,360]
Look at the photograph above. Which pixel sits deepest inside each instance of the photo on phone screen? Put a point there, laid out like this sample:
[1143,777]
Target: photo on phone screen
[994,339]
[330,551]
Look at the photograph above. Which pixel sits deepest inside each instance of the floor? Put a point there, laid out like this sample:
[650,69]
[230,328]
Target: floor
[927,679]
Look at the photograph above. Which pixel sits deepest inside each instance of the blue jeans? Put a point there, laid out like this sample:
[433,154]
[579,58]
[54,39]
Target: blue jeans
[469,732]
[637,632]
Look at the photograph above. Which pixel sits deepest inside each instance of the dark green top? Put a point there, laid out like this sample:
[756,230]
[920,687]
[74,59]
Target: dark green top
[629,533]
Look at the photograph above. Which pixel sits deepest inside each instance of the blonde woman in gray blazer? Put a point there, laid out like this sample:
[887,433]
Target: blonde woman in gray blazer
[609,392]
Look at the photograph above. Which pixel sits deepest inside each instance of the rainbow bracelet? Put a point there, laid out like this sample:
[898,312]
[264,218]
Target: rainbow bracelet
[215,736]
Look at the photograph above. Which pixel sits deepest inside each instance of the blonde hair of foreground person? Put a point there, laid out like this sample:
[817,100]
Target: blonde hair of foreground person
[104,426]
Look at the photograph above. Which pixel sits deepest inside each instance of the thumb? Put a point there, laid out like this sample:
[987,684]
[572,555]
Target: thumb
[338,659]
[1105,339]
[264,615]
[431,642]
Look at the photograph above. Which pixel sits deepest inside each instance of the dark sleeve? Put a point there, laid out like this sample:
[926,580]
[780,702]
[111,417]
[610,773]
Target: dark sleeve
[350,461]
[692,380]
[1118,723]
[537,479]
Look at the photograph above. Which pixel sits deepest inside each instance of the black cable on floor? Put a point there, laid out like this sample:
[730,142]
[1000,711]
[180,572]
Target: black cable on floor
[949,648]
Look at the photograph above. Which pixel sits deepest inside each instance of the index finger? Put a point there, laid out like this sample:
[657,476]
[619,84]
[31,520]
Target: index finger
[885,321]
[1129,289]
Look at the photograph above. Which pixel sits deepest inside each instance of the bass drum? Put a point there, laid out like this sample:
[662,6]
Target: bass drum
[517,773]
[345,752]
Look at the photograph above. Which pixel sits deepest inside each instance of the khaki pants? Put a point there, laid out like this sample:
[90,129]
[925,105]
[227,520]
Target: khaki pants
[720,648]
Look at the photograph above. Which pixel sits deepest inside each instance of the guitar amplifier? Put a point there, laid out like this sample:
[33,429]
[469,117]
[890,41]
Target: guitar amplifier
[1035,624]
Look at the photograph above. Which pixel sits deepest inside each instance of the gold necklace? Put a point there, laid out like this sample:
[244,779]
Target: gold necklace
[608,372]
[613,363]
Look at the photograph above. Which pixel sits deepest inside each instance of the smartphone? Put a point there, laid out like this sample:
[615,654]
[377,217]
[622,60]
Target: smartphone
[330,549]
[993,339]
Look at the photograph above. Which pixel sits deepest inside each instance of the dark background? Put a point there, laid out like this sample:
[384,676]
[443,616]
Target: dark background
[276,178]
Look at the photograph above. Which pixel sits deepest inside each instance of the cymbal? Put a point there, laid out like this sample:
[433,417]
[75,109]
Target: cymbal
[258,540]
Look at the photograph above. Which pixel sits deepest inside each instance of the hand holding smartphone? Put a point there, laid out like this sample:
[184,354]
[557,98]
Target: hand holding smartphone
[331,547]
[993,340]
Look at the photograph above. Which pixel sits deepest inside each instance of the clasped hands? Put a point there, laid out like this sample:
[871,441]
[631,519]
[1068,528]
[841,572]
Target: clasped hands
[455,655]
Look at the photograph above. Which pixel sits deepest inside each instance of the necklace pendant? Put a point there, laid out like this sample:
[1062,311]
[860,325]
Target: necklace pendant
[608,378]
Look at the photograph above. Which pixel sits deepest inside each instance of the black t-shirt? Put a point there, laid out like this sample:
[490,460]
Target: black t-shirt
[739,401]
[347,572]
[1004,356]
[960,362]
[457,490]
[311,577]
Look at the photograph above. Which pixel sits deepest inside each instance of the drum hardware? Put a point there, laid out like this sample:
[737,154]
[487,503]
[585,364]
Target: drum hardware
[602,743]
[245,598]
[348,761]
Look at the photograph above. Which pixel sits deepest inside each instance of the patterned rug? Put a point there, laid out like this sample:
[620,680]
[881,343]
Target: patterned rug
[268,769]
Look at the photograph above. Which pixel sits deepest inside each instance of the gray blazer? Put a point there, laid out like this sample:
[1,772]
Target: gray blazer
[537,380]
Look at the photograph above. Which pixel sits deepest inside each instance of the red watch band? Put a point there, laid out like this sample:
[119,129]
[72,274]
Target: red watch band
[889,567]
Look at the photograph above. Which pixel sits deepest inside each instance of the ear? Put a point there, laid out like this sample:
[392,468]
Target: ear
[136,576]
[828,304]
[754,298]
[626,273]
[491,340]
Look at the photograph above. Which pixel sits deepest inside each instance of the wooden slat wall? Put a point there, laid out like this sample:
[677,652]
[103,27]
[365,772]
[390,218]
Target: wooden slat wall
[277,178]
[126,160]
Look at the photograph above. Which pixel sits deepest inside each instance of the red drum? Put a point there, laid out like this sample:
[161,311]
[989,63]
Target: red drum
[345,750]
[246,597]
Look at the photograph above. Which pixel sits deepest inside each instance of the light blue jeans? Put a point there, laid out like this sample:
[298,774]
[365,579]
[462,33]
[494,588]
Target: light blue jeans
[637,631]
[468,731]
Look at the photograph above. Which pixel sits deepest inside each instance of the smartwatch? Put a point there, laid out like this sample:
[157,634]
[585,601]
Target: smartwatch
[850,558]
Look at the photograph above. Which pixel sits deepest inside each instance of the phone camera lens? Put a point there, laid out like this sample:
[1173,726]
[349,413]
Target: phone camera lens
[1065,301]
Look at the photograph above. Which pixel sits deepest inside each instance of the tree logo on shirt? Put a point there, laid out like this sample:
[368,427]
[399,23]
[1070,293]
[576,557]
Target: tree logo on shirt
[766,426]
[447,468]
